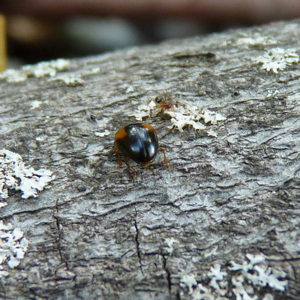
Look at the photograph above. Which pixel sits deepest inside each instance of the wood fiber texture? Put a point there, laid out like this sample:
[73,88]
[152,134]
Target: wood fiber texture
[95,233]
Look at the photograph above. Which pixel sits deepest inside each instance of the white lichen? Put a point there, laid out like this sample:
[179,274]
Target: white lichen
[13,246]
[260,275]
[217,279]
[190,282]
[39,70]
[129,90]
[277,59]
[182,119]
[43,69]
[170,242]
[181,115]
[256,39]
[212,117]
[13,76]
[242,280]
[102,133]
[69,79]
[14,174]
[72,79]
[143,111]
[92,71]
[35,104]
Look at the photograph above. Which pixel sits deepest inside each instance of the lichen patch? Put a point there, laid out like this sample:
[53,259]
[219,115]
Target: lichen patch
[71,80]
[13,246]
[181,115]
[277,59]
[256,39]
[39,70]
[242,280]
[15,175]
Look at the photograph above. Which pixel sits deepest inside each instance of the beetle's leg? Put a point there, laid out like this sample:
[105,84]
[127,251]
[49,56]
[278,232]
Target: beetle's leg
[117,153]
[131,168]
[160,149]
[118,161]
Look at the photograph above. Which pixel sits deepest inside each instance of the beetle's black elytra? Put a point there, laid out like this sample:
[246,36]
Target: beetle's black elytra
[138,142]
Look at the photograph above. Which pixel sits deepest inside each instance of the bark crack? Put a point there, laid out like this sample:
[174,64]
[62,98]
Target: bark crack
[168,273]
[57,223]
[137,243]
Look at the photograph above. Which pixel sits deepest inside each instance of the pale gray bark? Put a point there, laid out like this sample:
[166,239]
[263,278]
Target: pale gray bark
[96,233]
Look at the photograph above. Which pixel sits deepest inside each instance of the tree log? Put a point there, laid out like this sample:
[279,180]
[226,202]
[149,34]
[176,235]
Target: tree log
[223,223]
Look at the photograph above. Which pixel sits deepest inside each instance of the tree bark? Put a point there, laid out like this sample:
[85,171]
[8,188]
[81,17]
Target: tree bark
[232,192]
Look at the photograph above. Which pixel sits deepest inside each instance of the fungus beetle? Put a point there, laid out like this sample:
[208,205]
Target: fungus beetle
[138,142]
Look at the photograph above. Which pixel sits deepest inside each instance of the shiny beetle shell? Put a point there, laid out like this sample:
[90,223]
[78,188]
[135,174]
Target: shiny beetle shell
[138,142]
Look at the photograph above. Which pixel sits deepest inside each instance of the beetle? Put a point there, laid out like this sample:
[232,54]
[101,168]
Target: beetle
[139,143]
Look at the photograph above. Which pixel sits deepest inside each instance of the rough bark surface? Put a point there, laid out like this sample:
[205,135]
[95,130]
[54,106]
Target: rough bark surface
[96,233]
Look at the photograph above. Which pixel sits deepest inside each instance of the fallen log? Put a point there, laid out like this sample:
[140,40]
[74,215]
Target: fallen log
[223,223]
